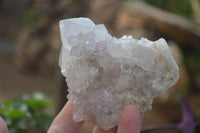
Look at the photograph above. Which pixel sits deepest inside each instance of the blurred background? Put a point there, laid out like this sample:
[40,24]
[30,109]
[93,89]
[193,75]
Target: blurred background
[30,45]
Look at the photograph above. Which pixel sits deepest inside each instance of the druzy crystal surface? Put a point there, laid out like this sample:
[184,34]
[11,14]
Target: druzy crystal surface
[104,74]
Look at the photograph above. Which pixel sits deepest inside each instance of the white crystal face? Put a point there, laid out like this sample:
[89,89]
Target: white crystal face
[104,74]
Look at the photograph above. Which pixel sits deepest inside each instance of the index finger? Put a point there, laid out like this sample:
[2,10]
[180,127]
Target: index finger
[64,122]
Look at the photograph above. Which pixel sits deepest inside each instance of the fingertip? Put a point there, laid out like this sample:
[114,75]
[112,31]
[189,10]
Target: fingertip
[132,110]
[130,120]
[64,121]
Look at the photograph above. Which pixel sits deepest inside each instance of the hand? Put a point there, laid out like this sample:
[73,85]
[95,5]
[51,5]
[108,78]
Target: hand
[129,122]
[3,127]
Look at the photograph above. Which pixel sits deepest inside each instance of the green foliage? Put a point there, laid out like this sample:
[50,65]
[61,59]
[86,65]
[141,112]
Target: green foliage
[27,112]
[191,61]
[30,16]
[181,7]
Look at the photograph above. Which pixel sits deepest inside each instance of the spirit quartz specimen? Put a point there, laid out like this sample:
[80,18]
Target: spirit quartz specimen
[104,74]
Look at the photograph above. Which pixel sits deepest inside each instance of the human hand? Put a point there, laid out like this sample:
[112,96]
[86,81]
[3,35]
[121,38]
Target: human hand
[3,127]
[129,122]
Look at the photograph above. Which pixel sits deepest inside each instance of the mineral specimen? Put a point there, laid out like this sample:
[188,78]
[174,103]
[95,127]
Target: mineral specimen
[104,74]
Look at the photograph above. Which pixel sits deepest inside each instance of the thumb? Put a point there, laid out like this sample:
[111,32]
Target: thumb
[130,120]
[3,127]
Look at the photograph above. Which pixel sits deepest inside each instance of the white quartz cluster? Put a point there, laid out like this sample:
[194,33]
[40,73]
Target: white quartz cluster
[104,74]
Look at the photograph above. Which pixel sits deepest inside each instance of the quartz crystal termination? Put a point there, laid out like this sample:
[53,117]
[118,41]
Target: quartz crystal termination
[104,74]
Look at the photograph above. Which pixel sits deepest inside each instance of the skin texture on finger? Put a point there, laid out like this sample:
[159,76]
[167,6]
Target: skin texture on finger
[63,123]
[99,130]
[3,127]
[130,120]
